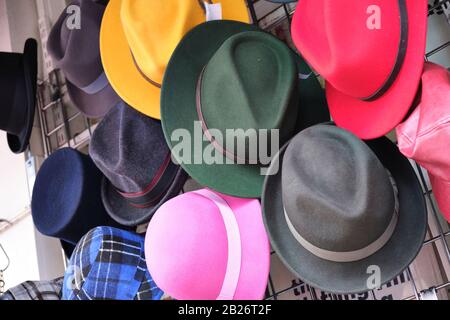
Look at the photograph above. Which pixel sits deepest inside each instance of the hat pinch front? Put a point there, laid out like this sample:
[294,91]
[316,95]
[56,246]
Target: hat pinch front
[354,255]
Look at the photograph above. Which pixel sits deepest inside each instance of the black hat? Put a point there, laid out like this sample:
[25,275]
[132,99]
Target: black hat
[18,78]
[338,209]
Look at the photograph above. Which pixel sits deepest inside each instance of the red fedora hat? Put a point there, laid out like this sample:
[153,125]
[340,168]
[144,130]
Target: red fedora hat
[371,53]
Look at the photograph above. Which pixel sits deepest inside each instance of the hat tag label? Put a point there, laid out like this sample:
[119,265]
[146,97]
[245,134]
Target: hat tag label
[213,11]
[303,76]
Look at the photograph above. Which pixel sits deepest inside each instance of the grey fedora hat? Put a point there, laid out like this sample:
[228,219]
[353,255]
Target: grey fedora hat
[130,149]
[340,208]
[76,51]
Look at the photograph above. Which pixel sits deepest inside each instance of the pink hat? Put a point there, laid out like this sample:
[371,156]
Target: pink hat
[425,135]
[371,55]
[209,246]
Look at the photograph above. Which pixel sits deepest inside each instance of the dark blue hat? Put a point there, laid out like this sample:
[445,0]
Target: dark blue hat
[109,264]
[66,200]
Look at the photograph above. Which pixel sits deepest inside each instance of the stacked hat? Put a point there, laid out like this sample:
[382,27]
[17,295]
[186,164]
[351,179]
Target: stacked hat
[18,95]
[335,207]
[66,201]
[139,36]
[371,57]
[35,290]
[206,245]
[109,264]
[76,51]
[129,148]
[424,136]
[229,76]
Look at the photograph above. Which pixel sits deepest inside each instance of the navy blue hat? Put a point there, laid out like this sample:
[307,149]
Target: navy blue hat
[66,200]
[130,149]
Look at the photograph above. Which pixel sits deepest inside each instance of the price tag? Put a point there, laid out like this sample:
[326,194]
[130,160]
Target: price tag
[213,11]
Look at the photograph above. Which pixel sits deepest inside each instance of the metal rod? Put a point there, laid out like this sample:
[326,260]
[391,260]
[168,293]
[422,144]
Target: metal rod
[435,214]
[413,283]
[251,8]
[62,125]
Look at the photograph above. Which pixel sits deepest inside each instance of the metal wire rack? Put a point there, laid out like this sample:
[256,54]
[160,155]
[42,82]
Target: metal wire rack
[62,126]
[269,19]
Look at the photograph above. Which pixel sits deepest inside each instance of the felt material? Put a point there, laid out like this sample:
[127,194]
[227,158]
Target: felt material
[129,148]
[109,264]
[250,74]
[282,1]
[18,95]
[357,58]
[66,201]
[135,56]
[350,277]
[178,106]
[185,266]
[77,53]
[323,207]
[424,135]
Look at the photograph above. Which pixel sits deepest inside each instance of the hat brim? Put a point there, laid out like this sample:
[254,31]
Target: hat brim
[122,212]
[119,64]
[352,277]
[19,143]
[369,120]
[93,105]
[441,191]
[178,106]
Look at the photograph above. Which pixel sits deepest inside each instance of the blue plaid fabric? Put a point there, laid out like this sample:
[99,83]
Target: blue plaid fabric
[109,264]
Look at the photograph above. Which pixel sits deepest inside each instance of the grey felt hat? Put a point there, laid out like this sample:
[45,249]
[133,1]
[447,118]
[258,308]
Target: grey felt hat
[337,208]
[76,51]
[130,149]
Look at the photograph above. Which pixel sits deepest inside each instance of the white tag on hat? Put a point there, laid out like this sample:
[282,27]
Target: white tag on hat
[303,76]
[213,11]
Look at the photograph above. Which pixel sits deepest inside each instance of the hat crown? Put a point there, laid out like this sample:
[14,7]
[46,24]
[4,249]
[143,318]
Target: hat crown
[11,79]
[129,148]
[424,134]
[66,200]
[336,193]
[171,19]
[76,49]
[354,46]
[250,83]
[122,253]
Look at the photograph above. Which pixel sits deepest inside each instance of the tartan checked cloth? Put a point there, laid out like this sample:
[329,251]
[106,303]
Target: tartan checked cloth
[35,290]
[109,264]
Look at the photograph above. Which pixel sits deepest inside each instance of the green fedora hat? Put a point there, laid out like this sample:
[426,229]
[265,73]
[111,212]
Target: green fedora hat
[227,87]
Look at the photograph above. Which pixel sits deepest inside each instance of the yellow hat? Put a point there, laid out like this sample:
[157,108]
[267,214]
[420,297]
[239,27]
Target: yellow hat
[138,37]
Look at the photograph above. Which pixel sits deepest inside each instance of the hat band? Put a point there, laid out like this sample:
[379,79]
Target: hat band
[227,153]
[153,83]
[96,86]
[356,255]
[233,270]
[401,54]
[153,193]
